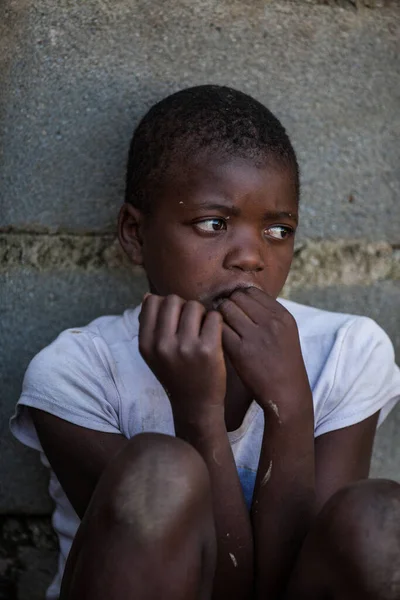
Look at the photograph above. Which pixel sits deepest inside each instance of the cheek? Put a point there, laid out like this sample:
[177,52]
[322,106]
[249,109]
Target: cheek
[277,273]
[198,269]
[173,268]
[284,272]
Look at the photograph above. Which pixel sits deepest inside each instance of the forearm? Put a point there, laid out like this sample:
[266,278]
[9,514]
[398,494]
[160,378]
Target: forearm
[283,502]
[234,570]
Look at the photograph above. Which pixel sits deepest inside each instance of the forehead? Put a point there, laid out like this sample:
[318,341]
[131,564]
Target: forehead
[237,182]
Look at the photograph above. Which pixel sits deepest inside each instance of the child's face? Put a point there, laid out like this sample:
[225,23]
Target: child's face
[218,226]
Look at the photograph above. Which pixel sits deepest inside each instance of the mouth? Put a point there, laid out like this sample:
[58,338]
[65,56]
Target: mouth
[217,300]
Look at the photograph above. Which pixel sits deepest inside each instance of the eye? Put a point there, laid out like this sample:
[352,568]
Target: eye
[279,232]
[211,225]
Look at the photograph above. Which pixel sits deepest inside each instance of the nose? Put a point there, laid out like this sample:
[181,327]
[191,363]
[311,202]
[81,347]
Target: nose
[245,253]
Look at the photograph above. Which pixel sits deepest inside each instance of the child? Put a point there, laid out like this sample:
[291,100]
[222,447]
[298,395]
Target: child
[215,441]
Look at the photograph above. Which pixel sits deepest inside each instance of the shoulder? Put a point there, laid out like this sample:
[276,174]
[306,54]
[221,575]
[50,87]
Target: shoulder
[351,365]
[350,332]
[77,376]
[313,321]
[115,328]
[89,344]
[82,358]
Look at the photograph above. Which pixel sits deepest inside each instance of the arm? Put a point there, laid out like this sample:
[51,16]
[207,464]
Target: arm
[262,341]
[342,457]
[77,455]
[284,501]
[234,570]
[183,347]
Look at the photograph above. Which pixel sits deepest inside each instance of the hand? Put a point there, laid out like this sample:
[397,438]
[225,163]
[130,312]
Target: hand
[261,339]
[182,344]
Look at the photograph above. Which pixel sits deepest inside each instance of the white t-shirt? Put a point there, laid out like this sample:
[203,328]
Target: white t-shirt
[95,377]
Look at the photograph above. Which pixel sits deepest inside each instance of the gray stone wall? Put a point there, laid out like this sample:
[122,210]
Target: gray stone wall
[75,79]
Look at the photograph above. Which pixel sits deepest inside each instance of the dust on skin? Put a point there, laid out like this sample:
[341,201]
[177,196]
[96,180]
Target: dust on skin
[274,408]
[267,475]
[233,559]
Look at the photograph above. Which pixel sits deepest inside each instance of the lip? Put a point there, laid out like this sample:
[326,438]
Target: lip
[221,295]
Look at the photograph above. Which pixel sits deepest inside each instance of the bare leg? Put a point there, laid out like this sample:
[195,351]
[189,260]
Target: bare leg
[353,551]
[148,532]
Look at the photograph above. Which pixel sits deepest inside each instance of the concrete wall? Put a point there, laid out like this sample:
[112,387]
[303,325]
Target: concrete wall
[75,78]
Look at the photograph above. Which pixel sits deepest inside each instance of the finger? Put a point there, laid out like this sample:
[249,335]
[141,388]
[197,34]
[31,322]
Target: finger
[236,318]
[230,340]
[191,320]
[168,316]
[262,297]
[148,320]
[146,295]
[211,329]
[250,306]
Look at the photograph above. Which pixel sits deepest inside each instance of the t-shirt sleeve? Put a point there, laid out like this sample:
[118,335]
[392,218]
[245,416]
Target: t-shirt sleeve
[70,379]
[366,378]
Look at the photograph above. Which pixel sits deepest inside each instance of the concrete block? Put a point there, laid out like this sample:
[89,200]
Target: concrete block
[78,77]
[28,557]
[40,569]
[379,301]
[386,455]
[35,309]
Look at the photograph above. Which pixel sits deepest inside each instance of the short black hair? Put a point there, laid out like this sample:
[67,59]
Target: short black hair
[205,118]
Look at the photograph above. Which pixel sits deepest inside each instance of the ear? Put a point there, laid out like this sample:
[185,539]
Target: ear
[130,224]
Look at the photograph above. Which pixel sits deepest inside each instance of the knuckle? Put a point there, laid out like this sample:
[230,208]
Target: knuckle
[162,348]
[174,299]
[288,319]
[277,325]
[185,350]
[195,305]
[236,294]
[153,299]
[227,305]
[206,350]
[218,318]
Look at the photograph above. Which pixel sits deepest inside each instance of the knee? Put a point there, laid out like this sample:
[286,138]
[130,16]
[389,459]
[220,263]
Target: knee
[361,527]
[155,481]
[362,506]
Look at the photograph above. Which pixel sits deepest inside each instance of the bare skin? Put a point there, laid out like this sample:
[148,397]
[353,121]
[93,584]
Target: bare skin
[182,344]
[215,336]
[150,514]
[261,338]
